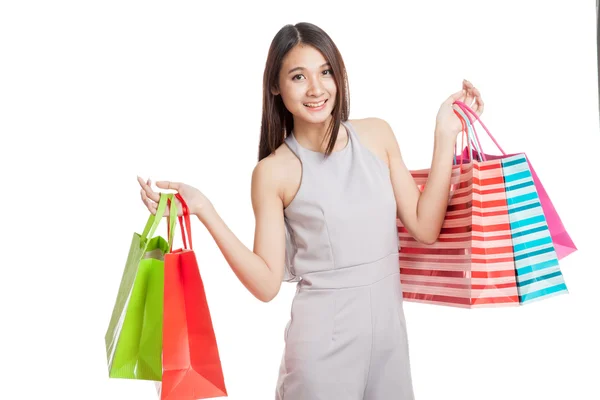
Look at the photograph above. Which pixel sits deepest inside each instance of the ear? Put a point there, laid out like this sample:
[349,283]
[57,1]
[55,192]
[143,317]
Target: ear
[275,91]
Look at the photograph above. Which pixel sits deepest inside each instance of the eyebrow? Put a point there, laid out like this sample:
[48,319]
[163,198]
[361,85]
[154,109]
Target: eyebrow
[302,68]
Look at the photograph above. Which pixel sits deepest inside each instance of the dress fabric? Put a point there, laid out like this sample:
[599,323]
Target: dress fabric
[346,337]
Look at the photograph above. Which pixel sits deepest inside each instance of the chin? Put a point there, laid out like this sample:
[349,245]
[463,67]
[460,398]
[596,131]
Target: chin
[318,119]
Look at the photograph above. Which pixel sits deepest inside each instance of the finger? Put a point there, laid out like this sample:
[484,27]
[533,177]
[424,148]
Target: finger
[150,205]
[148,189]
[479,101]
[153,208]
[475,106]
[155,195]
[168,185]
[470,100]
[149,185]
[145,197]
[140,181]
[456,96]
[466,88]
[476,102]
[467,85]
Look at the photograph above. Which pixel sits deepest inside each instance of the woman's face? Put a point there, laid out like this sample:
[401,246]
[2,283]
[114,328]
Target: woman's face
[306,85]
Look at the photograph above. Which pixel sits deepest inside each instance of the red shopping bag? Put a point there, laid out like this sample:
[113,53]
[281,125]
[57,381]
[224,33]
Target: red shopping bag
[561,239]
[191,362]
[471,264]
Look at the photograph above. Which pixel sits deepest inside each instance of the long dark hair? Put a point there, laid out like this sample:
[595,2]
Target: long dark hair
[277,121]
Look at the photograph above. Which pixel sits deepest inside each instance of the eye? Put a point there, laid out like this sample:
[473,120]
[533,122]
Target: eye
[328,72]
[297,77]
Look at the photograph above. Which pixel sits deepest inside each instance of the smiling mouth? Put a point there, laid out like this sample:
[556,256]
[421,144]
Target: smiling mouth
[315,105]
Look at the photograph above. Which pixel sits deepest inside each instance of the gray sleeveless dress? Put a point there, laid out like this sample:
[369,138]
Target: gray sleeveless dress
[346,338]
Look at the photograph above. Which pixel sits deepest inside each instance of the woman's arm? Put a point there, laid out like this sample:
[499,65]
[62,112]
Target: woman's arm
[260,271]
[423,213]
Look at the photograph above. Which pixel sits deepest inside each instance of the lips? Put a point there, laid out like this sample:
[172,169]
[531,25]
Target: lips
[315,105]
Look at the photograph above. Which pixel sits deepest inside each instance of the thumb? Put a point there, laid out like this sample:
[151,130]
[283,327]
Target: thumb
[168,185]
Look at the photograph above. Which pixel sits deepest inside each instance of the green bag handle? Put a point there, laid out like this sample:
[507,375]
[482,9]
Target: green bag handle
[154,219]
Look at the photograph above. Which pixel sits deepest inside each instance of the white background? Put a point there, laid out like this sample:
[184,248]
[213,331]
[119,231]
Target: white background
[94,93]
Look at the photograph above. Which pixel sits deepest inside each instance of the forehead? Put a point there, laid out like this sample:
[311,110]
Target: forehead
[305,56]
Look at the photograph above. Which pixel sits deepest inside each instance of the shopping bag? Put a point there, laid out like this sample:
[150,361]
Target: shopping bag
[191,362]
[471,264]
[563,243]
[536,262]
[134,336]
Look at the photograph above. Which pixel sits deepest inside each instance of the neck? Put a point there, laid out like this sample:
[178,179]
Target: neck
[314,136]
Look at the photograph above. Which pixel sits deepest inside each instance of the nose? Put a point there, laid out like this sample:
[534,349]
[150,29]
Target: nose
[315,88]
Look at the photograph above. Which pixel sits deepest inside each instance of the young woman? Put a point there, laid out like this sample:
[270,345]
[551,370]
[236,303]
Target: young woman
[326,193]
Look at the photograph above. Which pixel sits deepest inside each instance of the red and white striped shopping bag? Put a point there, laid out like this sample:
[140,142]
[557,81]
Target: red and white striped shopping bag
[472,263]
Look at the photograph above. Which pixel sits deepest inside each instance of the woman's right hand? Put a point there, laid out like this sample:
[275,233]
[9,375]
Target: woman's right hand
[196,201]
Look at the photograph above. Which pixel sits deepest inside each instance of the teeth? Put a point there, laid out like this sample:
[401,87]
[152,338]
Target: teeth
[315,105]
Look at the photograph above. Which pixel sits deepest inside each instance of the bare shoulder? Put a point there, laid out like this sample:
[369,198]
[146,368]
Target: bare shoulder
[272,174]
[372,128]
[370,122]
[376,134]
[268,171]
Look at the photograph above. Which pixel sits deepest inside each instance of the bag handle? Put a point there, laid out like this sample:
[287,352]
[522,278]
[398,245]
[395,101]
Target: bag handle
[467,132]
[464,133]
[469,127]
[172,220]
[188,223]
[473,136]
[184,227]
[154,220]
[462,141]
[468,110]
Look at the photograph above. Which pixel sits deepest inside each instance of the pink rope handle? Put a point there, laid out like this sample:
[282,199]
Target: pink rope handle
[462,137]
[472,125]
[468,111]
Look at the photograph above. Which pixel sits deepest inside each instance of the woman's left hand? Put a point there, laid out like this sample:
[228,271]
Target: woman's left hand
[447,123]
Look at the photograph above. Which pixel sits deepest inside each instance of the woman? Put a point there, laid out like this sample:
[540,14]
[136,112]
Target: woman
[326,193]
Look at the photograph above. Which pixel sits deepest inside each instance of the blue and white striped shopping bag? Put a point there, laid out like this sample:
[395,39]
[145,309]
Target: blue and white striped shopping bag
[536,262]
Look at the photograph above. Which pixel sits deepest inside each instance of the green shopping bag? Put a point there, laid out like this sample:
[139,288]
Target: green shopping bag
[134,335]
